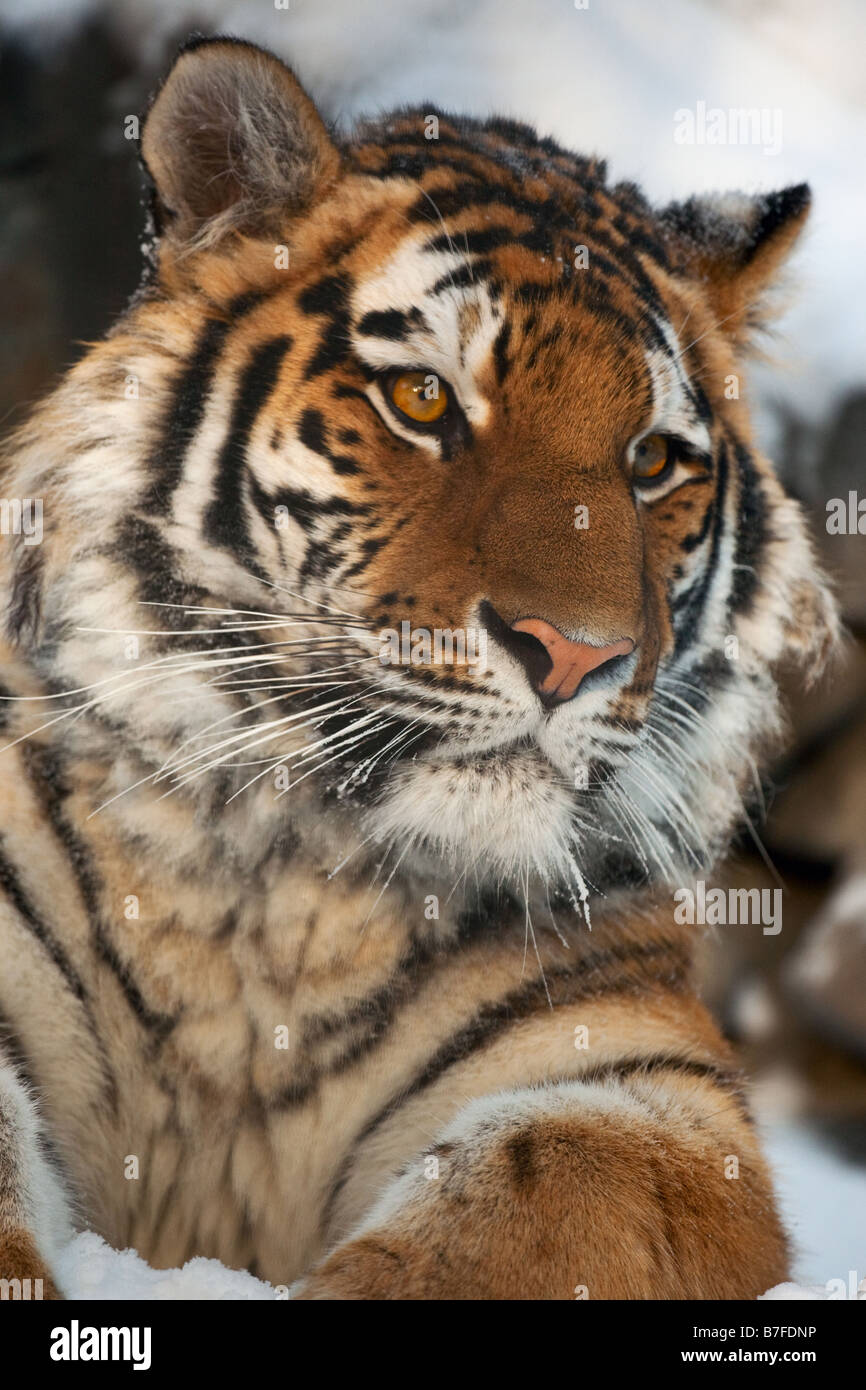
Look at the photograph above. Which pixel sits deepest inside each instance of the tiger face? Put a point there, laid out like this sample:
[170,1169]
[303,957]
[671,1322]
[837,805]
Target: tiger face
[448,437]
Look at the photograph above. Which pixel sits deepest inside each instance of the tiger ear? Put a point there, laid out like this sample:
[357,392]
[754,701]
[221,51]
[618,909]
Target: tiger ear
[735,245]
[232,142]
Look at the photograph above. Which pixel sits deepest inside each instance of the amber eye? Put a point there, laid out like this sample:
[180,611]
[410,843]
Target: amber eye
[420,396]
[651,456]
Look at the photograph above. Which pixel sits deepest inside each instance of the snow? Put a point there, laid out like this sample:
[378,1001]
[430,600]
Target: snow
[89,1269]
[823,1200]
[789,1293]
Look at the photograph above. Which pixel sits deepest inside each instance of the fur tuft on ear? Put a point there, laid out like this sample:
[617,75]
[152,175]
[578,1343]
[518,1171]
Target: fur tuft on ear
[735,244]
[233,143]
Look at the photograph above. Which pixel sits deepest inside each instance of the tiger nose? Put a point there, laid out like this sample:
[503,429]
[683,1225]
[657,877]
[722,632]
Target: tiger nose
[557,679]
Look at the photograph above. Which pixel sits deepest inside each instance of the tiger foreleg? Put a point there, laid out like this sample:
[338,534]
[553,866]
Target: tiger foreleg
[648,1188]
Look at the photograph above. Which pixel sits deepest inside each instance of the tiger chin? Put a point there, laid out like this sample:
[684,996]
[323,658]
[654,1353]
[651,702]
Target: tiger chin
[361,972]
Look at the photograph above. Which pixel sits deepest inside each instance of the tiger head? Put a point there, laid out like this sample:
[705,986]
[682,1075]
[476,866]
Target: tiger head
[427,452]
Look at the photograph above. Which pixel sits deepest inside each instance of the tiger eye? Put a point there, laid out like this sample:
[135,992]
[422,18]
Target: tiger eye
[420,396]
[651,456]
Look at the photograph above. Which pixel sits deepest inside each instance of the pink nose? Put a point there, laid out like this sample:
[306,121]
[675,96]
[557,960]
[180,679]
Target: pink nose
[571,661]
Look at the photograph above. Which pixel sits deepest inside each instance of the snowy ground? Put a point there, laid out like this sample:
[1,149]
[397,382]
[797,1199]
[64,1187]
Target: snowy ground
[824,1202]
[89,1269]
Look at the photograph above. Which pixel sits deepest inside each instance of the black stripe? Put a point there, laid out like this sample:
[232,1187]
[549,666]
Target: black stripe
[634,1067]
[344,466]
[308,511]
[25,599]
[462,278]
[393,324]
[186,409]
[328,298]
[325,297]
[686,1066]
[35,922]
[696,597]
[5,706]
[140,546]
[312,434]
[158,1024]
[44,768]
[695,539]
[225,520]
[369,549]
[46,775]
[751,532]
[500,351]
[344,392]
[475,243]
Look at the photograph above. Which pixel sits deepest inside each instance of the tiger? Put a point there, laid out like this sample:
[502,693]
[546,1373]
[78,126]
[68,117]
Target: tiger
[404,621]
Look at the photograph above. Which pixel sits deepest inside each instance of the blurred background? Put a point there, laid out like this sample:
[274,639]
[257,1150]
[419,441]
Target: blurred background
[605,77]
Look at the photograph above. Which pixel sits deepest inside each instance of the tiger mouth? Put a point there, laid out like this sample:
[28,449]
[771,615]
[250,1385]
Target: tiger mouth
[402,739]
